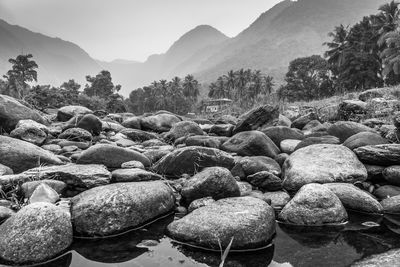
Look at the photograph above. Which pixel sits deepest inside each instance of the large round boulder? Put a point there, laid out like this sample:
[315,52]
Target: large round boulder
[252,143]
[354,198]
[314,204]
[38,232]
[364,139]
[29,134]
[90,123]
[132,123]
[192,159]
[322,164]
[249,221]
[345,129]
[215,182]
[76,134]
[384,155]
[12,111]
[110,156]
[20,155]
[67,112]
[111,209]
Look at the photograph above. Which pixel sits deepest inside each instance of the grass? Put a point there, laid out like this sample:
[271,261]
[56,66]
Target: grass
[224,255]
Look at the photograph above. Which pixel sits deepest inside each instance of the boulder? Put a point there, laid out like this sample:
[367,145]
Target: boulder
[245,188]
[266,181]
[192,159]
[314,204]
[5,213]
[252,143]
[183,128]
[279,199]
[375,173]
[67,112]
[308,141]
[226,119]
[215,182]
[370,94]
[249,221]
[222,129]
[391,205]
[29,133]
[90,123]
[322,164]
[20,155]
[386,259]
[132,123]
[5,170]
[281,158]
[159,123]
[289,145]
[302,121]
[392,175]
[29,187]
[351,109]
[38,232]
[111,126]
[76,134]
[250,165]
[76,176]
[383,155]
[114,208]
[201,202]
[257,118]
[364,139]
[132,165]
[279,133]
[386,191]
[110,156]
[345,129]
[133,175]
[44,193]
[354,198]
[138,135]
[12,111]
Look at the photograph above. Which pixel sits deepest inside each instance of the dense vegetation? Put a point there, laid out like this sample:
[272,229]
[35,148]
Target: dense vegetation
[360,57]
[244,87]
[178,96]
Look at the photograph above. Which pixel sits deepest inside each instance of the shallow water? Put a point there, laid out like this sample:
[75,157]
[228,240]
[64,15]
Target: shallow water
[298,246]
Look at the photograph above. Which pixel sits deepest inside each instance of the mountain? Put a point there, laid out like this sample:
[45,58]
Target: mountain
[289,30]
[182,58]
[58,60]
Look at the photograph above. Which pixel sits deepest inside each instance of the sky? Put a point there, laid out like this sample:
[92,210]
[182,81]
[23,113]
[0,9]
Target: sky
[130,29]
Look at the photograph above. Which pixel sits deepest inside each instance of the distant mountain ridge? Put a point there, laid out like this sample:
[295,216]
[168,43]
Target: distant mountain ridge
[58,60]
[289,30]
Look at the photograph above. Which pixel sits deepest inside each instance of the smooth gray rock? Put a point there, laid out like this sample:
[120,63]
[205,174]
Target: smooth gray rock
[159,123]
[215,182]
[392,175]
[252,143]
[249,221]
[279,199]
[44,193]
[76,134]
[322,164]
[279,133]
[354,198]
[12,111]
[183,128]
[67,112]
[29,187]
[192,159]
[111,209]
[201,202]
[345,129]
[387,259]
[308,141]
[391,205]
[314,204]
[20,155]
[265,180]
[36,233]
[138,135]
[386,191]
[111,156]
[364,139]
[250,165]
[29,134]
[5,170]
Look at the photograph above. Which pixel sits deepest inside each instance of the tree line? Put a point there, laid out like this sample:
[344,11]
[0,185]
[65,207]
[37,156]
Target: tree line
[99,93]
[364,56]
[178,96]
[244,87]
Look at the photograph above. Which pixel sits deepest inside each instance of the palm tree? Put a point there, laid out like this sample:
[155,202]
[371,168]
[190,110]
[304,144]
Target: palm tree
[337,46]
[191,88]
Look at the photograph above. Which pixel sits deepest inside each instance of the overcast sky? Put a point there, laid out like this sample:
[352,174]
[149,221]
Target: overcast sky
[130,29]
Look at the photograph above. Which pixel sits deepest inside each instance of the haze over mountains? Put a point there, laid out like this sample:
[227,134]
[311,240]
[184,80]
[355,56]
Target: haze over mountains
[283,33]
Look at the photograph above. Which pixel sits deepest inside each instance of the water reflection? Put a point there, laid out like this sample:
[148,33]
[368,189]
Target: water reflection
[363,236]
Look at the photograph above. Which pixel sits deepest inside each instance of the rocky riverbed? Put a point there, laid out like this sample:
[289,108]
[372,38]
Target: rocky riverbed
[79,177]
